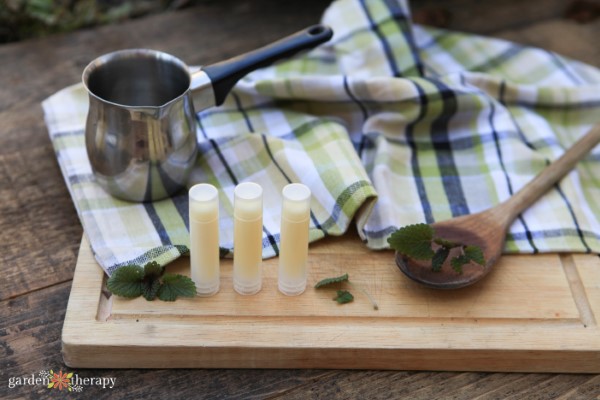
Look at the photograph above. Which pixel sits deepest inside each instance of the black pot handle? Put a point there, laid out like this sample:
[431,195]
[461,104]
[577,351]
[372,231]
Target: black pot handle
[225,74]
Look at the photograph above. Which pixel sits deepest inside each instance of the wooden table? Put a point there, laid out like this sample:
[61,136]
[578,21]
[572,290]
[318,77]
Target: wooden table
[40,232]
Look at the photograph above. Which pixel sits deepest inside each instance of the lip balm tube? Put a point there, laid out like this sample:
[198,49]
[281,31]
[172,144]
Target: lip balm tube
[204,238]
[247,238]
[293,249]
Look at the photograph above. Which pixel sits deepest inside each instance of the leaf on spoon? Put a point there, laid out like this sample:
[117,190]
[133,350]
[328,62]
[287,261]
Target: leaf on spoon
[458,262]
[475,254]
[439,257]
[413,241]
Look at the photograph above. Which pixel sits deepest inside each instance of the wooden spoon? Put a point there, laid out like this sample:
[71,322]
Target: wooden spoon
[487,229]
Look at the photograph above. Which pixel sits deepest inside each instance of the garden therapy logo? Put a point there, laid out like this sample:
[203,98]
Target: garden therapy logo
[60,380]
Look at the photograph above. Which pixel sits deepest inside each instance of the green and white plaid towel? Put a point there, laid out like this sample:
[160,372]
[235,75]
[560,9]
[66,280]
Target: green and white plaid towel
[430,123]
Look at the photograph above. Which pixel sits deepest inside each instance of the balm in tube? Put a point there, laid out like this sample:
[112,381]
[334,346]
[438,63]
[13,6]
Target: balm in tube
[247,238]
[204,238]
[293,249]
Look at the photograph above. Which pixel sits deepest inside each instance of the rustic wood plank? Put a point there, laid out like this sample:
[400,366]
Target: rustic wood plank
[588,390]
[575,40]
[487,17]
[30,342]
[548,25]
[554,386]
[30,336]
[38,222]
[445,385]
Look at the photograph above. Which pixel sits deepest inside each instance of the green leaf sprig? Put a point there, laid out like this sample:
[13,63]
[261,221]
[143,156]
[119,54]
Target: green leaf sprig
[344,296]
[151,282]
[419,242]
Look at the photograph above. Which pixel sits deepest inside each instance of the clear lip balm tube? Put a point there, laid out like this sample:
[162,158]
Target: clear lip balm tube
[204,238]
[293,250]
[247,238]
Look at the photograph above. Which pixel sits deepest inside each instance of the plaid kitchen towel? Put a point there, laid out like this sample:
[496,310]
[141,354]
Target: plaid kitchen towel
[430,123]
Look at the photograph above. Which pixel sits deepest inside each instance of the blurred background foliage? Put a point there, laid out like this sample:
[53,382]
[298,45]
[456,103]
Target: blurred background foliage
[22,19]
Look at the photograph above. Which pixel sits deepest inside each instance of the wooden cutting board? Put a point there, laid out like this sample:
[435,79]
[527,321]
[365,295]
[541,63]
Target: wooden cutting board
[536,313]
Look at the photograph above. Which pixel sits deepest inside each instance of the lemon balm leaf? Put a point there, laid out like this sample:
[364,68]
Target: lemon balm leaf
[343,297]
[418,241]
[150,288]
[153,270]
[331,281]
[413,241]
[126,281]
[151,282]
[458,262]
[175,285]
[439,257]
[475,254]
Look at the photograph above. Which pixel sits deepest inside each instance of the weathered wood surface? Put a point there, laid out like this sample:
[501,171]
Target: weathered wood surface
[533,313]
[40,233]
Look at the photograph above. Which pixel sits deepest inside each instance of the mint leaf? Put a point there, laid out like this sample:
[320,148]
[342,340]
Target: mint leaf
[439,257]
[150,288]
[153,270]
[126,281]
[475,254]
[330,281]
[413,241]
[343,297]
[174,285]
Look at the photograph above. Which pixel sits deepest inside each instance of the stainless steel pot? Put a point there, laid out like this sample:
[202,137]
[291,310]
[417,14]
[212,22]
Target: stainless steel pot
[141,128]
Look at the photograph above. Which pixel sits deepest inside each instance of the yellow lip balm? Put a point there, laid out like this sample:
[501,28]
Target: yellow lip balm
[204,238]
[293,248]
[247,238]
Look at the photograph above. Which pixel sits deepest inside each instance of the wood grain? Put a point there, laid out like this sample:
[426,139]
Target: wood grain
[522,317]
[30,342]
[40,239]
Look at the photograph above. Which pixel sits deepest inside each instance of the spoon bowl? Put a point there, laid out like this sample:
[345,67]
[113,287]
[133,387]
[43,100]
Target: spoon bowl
[487,229]
[481,229]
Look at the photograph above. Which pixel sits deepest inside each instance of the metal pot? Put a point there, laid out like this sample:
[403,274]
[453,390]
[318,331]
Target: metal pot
[141,128]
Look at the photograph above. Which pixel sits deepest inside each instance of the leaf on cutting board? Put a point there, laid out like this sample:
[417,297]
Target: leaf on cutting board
[153,270]
[174,285]
[126,281]
[343,297]
[150,288]
[330,281]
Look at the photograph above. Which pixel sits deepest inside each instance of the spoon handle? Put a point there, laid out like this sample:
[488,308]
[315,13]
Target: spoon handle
[550,175]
